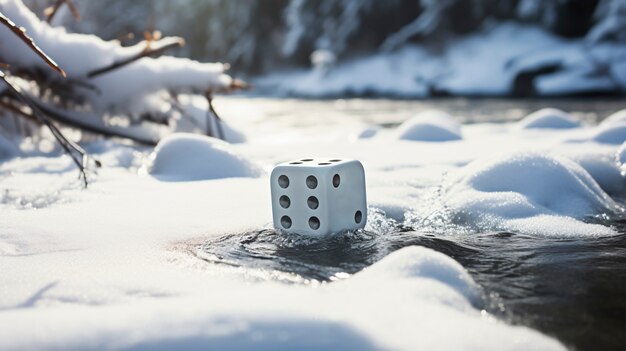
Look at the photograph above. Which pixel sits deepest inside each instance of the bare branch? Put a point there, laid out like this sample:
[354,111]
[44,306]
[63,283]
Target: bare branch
[80,122]
[73,9]
[218,120]
[69,146]
[52,10]
[15,109]
[148,51]
[21,33]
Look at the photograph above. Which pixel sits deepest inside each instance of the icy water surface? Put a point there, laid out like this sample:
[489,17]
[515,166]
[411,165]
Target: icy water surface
[297,113]
[572,289]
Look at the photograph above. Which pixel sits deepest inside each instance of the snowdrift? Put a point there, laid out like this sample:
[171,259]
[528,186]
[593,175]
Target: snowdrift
[520,191]
[184,157]
[548,118]
[430,126]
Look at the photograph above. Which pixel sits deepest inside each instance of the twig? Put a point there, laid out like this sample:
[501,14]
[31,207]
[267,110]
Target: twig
[19,111]
[146,52]
[88,127]
[218,120]
[52,10]
[21,33]
[69,146]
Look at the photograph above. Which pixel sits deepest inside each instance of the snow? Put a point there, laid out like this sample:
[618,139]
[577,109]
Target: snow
[379,73]
[482,63]
[367,132]
[617,117]
[621,159]
[114,266]
[611,134]
[601,167]
[185,157]
[548,118]
[79,54]
[526,187]
[430,126]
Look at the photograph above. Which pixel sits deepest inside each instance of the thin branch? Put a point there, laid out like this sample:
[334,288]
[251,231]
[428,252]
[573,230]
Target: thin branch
[211,111]
[148,51]
[52,10]
[69,146]
[80,123]
[21,33]
[15,109]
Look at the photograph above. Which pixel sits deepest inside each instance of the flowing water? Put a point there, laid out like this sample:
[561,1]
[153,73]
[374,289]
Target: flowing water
[572,289]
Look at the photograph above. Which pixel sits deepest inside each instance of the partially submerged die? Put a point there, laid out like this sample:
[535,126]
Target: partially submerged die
[317,196]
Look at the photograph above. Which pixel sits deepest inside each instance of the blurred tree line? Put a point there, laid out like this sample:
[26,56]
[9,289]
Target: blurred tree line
[258,35]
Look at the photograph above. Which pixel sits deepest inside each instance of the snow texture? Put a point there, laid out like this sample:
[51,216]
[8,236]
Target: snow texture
[521,186]
[114,266]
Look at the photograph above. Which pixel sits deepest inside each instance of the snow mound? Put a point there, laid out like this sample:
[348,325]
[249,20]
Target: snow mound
[430,125]
[548,118]
[422,263]
[602,167]
[184,157]
[612,133]
[527,191]
[621,159]
[617,117]
[369,132]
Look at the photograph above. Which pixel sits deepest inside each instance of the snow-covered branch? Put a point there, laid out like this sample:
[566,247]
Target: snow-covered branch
[110,89]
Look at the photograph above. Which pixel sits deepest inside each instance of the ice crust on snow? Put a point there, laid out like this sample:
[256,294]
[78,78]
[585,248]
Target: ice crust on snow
[549,118]
[184,157]
[430,126]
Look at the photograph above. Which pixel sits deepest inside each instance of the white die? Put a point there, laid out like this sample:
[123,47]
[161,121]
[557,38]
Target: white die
[317,197]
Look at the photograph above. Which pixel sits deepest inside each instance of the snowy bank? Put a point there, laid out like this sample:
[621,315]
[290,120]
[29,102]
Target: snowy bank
[501,59]
[116,266]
